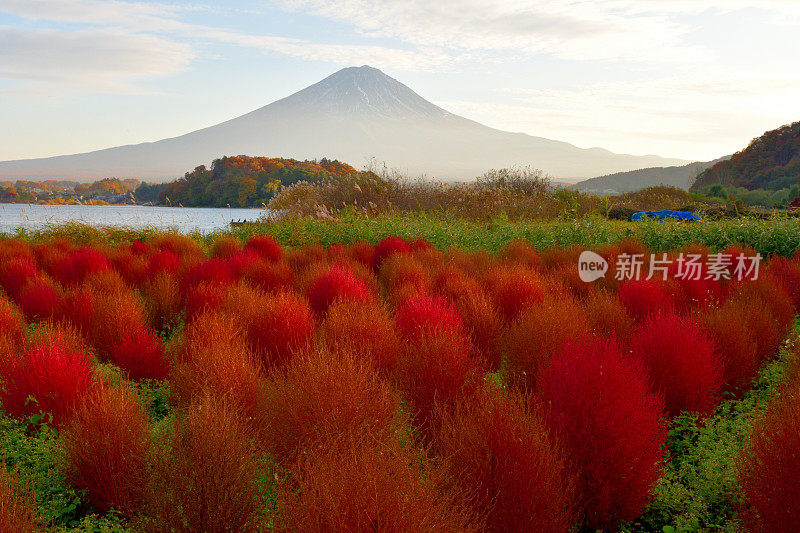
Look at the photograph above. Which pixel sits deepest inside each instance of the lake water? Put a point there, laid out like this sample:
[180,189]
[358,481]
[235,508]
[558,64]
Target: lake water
[183,219]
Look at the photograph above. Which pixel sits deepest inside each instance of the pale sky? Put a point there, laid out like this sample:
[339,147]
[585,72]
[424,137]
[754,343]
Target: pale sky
[695,79]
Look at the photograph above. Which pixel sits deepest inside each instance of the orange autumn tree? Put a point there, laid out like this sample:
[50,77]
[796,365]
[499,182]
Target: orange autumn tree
[246,181]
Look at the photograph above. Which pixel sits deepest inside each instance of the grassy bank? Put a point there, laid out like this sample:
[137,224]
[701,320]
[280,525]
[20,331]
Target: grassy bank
[774,236]
[778,235]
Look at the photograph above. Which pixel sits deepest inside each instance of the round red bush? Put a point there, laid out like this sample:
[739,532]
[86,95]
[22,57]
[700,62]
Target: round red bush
[320,396]
[768,464]
[358,483]
[12,325]
[283,325]
[213,271]
[598,405]
[163,261]
[531,340]
[788,275]
[514,289]
[140,353]
[265,246]
[106,450]
[334,284]
[419,315]
[682,362]
[15,274]
[40,299]
[643,298]
[736,345]
[362,329]
[496,446]
[268,276]
[388,247]
[203,297]
[77,265]
[436,368]
[55,374]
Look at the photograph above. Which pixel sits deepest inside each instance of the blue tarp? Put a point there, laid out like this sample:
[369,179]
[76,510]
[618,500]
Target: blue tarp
[663,215]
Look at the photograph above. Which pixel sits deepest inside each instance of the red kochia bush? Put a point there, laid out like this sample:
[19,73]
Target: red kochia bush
[480,315]
[131,267]
[139,247]
[386,248]
[598,405]
[363,252]
[213,358]
[204,297]
[608,318]
[494,445]
[644,297]
[106,450]
[359,483]
[283,325]
[40,299]
[206,477]
[484,324]
[140,353]
[183,245]
[163,261]
[521,253]
[78,308]
[320,396]
[535,336]
[682,362]
[226,247]
[162,299]
[12,325]
[765,307]
[242,260]
[514,289]
[736,345]
[17,505]
[436,368]
[119,334]
[362,329]
[54,373]
[417,316]
[788,275]
[274,276]
[696,293]
[79,264]
[212,271]
[265,246]
[402,275]
[768,464]
[333,284]
[15,274]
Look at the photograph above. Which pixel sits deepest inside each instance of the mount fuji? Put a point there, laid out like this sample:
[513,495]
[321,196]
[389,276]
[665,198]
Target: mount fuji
[354,115]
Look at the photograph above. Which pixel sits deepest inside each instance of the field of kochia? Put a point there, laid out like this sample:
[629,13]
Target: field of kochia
[368,382]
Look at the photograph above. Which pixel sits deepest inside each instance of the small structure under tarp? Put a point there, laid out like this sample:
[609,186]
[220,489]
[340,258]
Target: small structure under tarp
[795,203]
[686,216]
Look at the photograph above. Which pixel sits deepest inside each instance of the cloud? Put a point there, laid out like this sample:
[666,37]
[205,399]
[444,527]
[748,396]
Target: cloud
[563,28]
[93,58]
[635,30]
[107,44]
[145,16]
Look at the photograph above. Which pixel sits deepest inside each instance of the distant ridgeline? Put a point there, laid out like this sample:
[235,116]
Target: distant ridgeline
[768,166]
[244,181]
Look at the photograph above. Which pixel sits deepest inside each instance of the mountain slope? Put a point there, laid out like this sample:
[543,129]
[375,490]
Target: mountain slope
[770,162]
[634,180]
[353,115]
